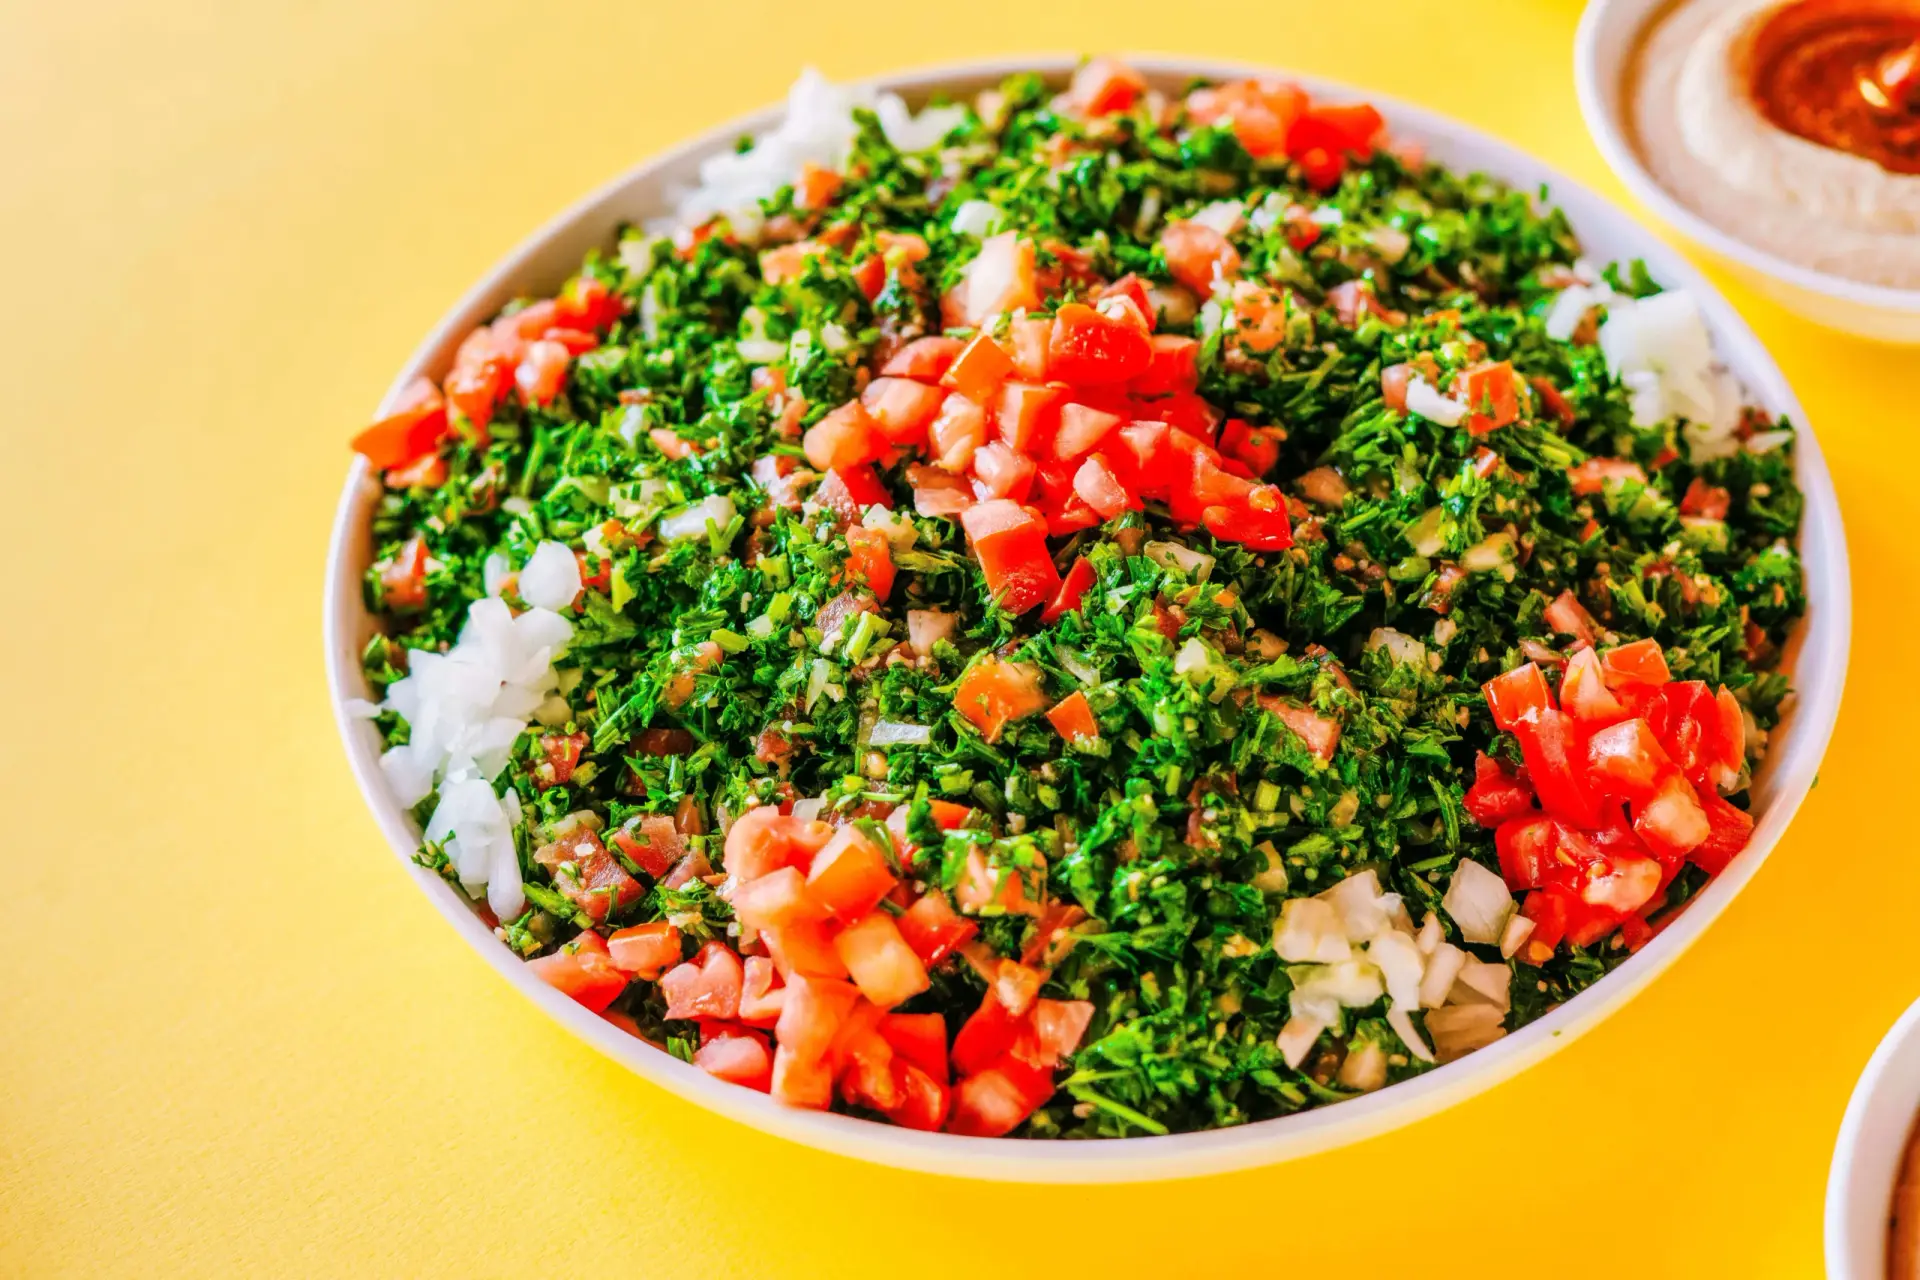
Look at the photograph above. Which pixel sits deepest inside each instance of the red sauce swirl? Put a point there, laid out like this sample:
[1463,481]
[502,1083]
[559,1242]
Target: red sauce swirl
[1845,76]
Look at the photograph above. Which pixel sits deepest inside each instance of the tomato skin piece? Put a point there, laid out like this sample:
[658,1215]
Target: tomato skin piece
[1024,414]
[1073,719]
[979,370]
[901,409]
[985,1037]
[1728,830]
[1088,348]
[870,561]
[1073,588]
[1496,795]
[1173,366]
[924,359]
[993,693]
[1556,766]
[1518,696]
[847,437]
[850,876]
[1011,545]
[934,929]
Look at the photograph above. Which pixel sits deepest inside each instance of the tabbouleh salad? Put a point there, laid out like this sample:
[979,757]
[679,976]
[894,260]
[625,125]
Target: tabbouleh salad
[1081,613]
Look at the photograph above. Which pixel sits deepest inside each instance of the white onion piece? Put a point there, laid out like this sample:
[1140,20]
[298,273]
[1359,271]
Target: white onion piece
[978,218]
[691,522]
[551,578]
[1479,902]
[1223,216]
[927,627]
[1514,936]
[1297,1037]
[1443,970]
[1365,1068]
[1401,967]
[808,809]
[1483,983]
[1424,400]
[1172,555]
[1459,1029]
[892,733]
[1402,648]
[1362,908]
[1424,534]
[1400,1018]
[1309,932]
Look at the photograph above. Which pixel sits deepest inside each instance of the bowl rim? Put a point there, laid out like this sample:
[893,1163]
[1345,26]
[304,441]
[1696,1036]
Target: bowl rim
[1867,1153]
[1609,136]
[1789,774]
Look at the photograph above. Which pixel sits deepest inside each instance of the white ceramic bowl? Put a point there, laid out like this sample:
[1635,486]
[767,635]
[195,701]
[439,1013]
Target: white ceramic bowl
[554,252]
[1873,1137]
[1608,32]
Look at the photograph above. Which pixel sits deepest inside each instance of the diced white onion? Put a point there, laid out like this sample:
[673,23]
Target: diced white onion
[360,708]
[978,218]
[808,809]
[1390,243]
[1363,908]
[1173,555]
[691,522]
[927,627]
[760,350]
[1479,902]
[1483,983]
[1309,931]
[494,572]
[890,733]
[1365,1068]
[1495,551]
[1424,400]
[1443,970]
[1223,216]
[1297,1037]
[1402,648]
[1459,1029]
[551,578]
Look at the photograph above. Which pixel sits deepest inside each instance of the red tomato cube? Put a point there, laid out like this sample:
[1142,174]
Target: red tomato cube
[847,437]
[738,1057]
[1518,696]
[776,899]
[979,370]
[933,928]
[708,986]
[1089,348]
[1011,545]
[993,693]
[1031,336]
[762,994]
[800,1082]
[1627,762]
[883,966]
[1024,414]
[850,875]
[815,1008]
[900,408]
[956,434]
[803,948]
[920,1038]
[1584,694]
[925,359]
[1081,429]
[645,950]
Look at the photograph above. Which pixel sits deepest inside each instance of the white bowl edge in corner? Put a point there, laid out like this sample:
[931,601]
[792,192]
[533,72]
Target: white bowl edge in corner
[1866,1157]
[553,252]
[1606,35]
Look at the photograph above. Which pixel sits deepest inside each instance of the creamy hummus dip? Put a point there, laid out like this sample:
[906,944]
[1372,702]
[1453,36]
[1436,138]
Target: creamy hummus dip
[1705,92]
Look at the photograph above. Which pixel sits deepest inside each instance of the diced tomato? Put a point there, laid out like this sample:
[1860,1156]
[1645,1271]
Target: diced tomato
[1088,348]
[1102,86]
[1491,397]
[590,877]
[1584,694]
[1011,545]
[1257,447]
[428,471]
[870,560]
[737,1056]
[1556,766]
[1101,489]
[1073,718]
[413,430]
[1518,696]
[998,1100]
[587,303]
[924,1102]
[1705,738]
[1339,128]
[646,950]
[926,359]
[708,986]
[847,437]
[993,693]
[901,409]
[985,1037]
[1072,589]
[542,371]
[1081,429]
[1593,475]
[957,433]
[1496,795]
[934,929]
[815,1008]
[1619,884]
[1707,501]
[1728,830]
[650,842]
[586,973]
[1671,821]
[1526,847]
[777,899]
[1174,365]
[850,875]
[562,752]
[883,966]
[1024,414]
[1058,1026]
[1394,380]
[763,840]
[1197,255]
[762,993]
[1261,112]
[1003,472]
[849,491]
[1319,734]
[1626,761]
[403,580]
[799,1081]
[1260,524]
[1136,291]
[979,370]
[1031,336]
[1640,662]
[920,1038]
[1068,515]
[1569,617]
[1149,451]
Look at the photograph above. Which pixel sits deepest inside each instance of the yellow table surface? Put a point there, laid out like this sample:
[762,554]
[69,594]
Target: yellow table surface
[235,1039]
